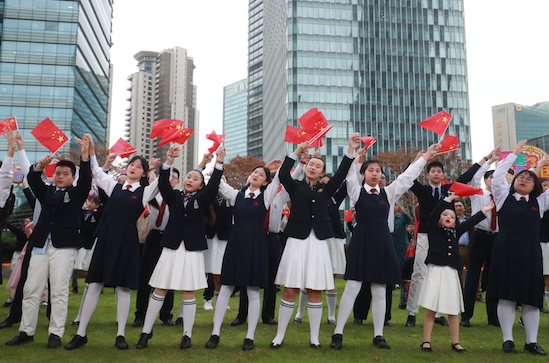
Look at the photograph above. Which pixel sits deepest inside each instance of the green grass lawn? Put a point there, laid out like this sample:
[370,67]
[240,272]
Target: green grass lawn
[483,342]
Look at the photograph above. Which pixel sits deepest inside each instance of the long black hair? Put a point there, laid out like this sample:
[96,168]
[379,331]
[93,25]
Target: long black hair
[537,183]
[268,177]
[144,180]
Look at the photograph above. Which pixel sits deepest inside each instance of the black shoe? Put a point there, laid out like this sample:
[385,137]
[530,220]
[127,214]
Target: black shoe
[185,342]
[8,323]
[7,304]
[75,323]
[298,320]
[315,346]
[442,321]
[179,322]
[388,323]
[20,338]
[402,306]
[357,322]
[509,346]
[121,343]
[143,339]
[213,342]
[332,322]
[337,341]
[138,322]
[465,323]
[458,350]
[426,349]
[54,341]
[270,322]
[248,344]
[534,348]
[411,321]
[76,342]
[380,342]
[238,321]
[275,345]
[168,322]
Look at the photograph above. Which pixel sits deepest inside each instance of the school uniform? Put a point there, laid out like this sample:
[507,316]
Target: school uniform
[90,222]
[218,235]
[336,244]
[441,291]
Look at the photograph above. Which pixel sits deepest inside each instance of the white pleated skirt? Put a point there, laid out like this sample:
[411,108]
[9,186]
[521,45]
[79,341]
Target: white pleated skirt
[441,290]
[83,258]
[306,264]
[179,270]
[545,257]
[336,246]
[213,256]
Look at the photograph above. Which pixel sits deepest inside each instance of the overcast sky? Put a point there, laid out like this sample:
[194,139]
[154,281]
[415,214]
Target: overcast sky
[507,54]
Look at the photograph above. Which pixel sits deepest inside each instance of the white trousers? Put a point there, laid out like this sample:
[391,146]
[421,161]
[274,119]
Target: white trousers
[418,274]
[56,264]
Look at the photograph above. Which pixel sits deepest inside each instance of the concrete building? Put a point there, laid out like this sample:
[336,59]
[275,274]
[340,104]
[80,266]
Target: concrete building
[55,62]
[162,88]
[513,122]
[369,66]
[235,116]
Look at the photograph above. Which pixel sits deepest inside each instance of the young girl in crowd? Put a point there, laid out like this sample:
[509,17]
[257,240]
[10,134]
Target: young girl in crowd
[245,260]
[372,256]
[306,262]
[516,274]
[441,290]
[115,260]
[181,264]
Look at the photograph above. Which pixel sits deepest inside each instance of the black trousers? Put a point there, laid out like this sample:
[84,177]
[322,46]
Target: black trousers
[364,299]
[209,291]
[480,252]
[269,293]
[149,258]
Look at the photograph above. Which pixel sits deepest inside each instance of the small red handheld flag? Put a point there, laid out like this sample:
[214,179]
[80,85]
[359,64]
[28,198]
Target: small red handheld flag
[449,143]
[464,190]
[10,123]
[295,135]
[49,135]
[122,148]
[437,123]
[313,121]
[368,141]
[217,139]
[178,136]
[161,126]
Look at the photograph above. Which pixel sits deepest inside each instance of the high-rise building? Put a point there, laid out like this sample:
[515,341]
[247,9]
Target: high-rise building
[235,116]
[162,88]
[513,122]
[375,67]
[55,62]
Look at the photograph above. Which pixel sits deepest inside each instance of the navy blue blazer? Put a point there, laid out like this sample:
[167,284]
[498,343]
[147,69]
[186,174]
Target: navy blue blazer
[61,215]
[187,223]
[310,208]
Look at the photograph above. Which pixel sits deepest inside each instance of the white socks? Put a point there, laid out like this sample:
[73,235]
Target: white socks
[253,310]
[303,299]
[155,304]
[189,314]
[122,308]
[346,304]
[331,299]
[530,318]
[88,307]
[315,315]
[222,300]
[378,307]
[284,315]
[506,317]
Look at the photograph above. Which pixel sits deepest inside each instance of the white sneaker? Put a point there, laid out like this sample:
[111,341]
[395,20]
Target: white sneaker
[208,305]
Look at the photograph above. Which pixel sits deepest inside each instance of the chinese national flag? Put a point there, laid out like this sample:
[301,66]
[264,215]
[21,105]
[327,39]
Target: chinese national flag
[50,169]
[49,135]
[122,148]
[160,126]
[217,139]
[178,136]
[297,136]
[348,215]
[437,123]
[449,143]
[313,121]
[368,141]
[464,190]
[10,123]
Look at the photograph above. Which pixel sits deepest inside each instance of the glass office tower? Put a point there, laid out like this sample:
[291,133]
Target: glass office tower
[235,117]
[377,67]
[54,62]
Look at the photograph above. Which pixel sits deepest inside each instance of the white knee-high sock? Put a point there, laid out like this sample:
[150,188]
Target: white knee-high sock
[180,314]
[81,304]
[506,317]
[285,312]
[530,318]
[215,297]
[122,308]
[315,315]
[303,299]
[155,304]
[253,310]
[221,307]
[88,307]
[346,304]
[331,299]
[189,313]
[378,307]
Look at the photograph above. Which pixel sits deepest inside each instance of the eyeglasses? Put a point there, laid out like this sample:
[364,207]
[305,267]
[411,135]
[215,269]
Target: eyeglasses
[174,177]
[525,179]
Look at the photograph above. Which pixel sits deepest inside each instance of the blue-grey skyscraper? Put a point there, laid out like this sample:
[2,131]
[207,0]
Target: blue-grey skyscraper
[377,67]
[55,62]
[235,116]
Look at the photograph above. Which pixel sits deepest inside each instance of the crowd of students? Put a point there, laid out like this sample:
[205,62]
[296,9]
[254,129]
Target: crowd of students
[235,234]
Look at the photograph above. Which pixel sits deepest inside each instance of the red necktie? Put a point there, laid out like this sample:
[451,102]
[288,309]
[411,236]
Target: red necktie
[161,214]
[373,191]
[128,187]
[267,221]
[523,198]
[251,195]
[493,221]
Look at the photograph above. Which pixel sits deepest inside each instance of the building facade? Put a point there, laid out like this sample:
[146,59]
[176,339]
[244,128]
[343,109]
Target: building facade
[235,116]
[55,62]
[513,122]
[375,67]
[162,89]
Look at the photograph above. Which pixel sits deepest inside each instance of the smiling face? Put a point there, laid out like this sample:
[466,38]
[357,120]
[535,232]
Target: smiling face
[314,169]
[447,218]
[372,174]
[193,181]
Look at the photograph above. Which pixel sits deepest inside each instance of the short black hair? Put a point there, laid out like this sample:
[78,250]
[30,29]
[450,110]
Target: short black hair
[177,172]
[435,164]
[488,174]
[67,163]
[367,163]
